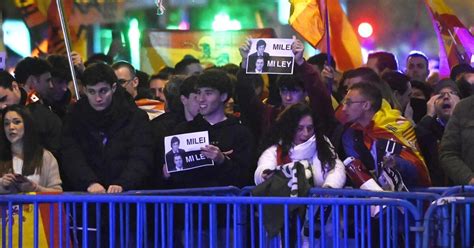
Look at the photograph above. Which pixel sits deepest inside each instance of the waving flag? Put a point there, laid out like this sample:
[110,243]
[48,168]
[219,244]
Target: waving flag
[456,43]
[306,19]
[389,124]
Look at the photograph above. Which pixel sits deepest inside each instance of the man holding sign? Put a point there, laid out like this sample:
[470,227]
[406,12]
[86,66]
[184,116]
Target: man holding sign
[230,143]
[294,88]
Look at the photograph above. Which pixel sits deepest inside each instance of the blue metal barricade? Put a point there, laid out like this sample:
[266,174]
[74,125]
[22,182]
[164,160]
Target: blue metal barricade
[212,191]
[459,190]
[124,220]
[449,220]
[420,199]
[436,190]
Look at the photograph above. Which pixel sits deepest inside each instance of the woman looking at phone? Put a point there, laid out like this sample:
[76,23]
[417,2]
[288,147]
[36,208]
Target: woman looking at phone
[25,165]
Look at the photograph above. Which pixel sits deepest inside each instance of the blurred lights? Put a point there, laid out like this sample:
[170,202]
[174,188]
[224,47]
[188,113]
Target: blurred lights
[183,25]
[365,30]
[222,22]
[134,38]
[17,37]
[283,11]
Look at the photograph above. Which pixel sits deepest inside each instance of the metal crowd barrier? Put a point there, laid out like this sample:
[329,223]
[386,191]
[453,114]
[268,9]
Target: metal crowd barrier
[205,221]
[450,220]
[229,217]
[459,190]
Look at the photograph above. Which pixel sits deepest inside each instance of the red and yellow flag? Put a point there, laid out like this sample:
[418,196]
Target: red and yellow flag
[456,43]
[306,18]
[48,228]
[388,123]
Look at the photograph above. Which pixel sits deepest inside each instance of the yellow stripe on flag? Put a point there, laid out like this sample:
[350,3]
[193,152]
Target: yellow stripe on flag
[306,19]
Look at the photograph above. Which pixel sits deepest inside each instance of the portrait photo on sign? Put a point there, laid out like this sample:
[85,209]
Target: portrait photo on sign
[183,151]
[270,56]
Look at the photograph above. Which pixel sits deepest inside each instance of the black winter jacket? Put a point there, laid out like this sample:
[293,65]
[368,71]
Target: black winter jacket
[228,135]
[111,147]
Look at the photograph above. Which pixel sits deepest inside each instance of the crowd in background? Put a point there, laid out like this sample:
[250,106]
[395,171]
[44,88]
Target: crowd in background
[376,127]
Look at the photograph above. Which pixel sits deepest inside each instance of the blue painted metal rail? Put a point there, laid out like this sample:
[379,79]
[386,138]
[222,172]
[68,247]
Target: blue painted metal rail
[128,220]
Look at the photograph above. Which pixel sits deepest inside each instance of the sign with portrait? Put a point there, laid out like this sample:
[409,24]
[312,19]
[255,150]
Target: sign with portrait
[183,151]
[270,56]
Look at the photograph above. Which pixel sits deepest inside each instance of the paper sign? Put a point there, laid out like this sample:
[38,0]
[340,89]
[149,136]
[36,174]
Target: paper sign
[270,56]
[183,151]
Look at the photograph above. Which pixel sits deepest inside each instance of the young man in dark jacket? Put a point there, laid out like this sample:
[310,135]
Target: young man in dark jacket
[33,82]
[106,141]
[231,144]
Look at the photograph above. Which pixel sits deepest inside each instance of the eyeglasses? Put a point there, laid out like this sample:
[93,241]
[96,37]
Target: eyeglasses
[448,93]
[348,102]
[124,82]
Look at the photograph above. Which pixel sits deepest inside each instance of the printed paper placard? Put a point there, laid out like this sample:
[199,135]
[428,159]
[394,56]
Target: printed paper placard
[270,56]
[183,151]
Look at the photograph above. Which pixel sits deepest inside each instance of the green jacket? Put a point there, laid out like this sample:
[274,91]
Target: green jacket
[457,145]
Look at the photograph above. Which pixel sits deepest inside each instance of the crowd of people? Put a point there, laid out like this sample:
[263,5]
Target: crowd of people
[397,129]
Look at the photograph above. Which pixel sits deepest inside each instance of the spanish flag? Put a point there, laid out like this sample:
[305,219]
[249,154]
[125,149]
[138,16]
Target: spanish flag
[306,18]
[389,124]
[456,43]
[48,224]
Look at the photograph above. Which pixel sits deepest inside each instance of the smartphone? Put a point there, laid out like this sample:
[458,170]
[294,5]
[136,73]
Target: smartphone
[20,178]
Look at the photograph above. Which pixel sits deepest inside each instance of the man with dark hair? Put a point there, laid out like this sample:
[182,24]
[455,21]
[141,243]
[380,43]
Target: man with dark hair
[128,79]
[417,66]
[106,142]
[231,144]
[59,98]
[420,90]
[188,66]
[182,106]
[382,139]
[34,74]
[175,150]
[260,53]
[382,61]
[401,88]
[259,65]
[430,129]
[157,85]
[320,60]
[10,92]
[260,46]
[458,70]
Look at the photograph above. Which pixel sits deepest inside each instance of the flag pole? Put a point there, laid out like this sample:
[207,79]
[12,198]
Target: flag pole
[68,46]
[328,44]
